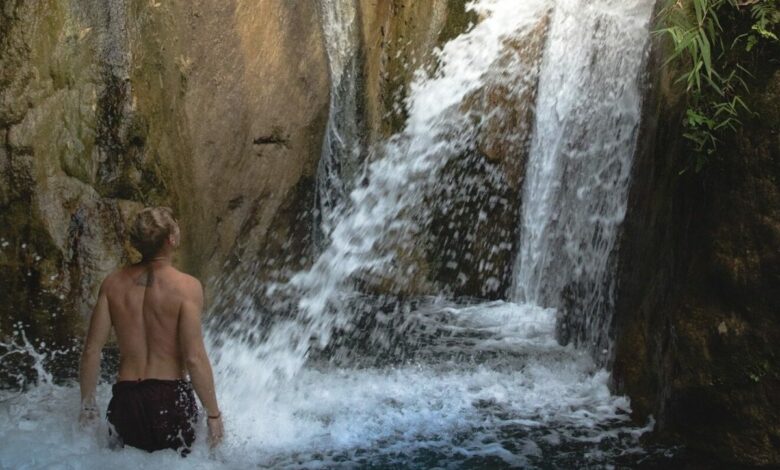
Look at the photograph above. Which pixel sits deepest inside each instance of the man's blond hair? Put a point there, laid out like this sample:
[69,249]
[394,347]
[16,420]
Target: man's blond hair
[151,228]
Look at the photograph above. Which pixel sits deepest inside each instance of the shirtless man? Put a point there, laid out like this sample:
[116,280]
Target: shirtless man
[155,311]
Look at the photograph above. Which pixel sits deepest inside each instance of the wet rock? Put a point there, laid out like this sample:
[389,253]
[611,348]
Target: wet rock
[399,38]
[696,327]
[465,242]
[475,224]
[48,93]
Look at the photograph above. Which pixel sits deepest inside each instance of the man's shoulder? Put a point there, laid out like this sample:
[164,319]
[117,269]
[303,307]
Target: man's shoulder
[190,289]
[113,278]
[188,283]
[184,278]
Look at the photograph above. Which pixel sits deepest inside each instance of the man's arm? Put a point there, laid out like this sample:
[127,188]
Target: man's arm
[197,361]
[97,335]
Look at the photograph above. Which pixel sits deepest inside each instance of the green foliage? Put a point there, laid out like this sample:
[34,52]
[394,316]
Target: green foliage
[765,17]
[710,61]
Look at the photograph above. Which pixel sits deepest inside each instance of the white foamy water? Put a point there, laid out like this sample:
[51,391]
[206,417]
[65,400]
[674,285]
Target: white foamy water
[575,195]
[520,405]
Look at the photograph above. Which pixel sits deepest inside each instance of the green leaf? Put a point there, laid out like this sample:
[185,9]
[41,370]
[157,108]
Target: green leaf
[737,39]
[711,30]
[742,83]
[738,101]
[714,86]
[751,42]
[740,67]
[697,75]
[699,13]
[704,45]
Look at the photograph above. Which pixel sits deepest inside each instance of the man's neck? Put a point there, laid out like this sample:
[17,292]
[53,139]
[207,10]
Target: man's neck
[161,259]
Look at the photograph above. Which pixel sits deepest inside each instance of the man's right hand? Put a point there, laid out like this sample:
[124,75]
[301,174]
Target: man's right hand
[216,431]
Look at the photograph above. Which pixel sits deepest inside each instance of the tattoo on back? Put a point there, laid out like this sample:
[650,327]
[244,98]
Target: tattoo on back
[146,279]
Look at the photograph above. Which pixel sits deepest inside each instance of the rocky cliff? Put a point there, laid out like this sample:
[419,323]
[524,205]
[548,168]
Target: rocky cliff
[216,109]
[697,327]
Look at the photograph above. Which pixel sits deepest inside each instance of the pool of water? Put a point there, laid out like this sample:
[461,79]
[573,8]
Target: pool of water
[484,386]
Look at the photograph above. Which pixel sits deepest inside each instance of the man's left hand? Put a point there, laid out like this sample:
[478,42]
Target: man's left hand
[87,416]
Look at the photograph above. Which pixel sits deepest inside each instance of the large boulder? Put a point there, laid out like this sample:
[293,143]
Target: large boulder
[475,226]
[58,234]
[255,105]
[697,331]
[466,231]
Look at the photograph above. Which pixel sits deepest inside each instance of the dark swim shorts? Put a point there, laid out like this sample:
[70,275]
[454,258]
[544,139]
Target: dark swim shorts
[153,414]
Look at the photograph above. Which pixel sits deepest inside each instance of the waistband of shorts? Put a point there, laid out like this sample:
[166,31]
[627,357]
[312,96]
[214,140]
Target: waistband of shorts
[121,384]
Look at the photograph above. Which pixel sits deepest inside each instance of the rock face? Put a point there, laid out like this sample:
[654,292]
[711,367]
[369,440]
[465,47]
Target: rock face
[399,37]
[697,327]
[216,109]
[59,225]
[257,104]
[468,247]
[475,226]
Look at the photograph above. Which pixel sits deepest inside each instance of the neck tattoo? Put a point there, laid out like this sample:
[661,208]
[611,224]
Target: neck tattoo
[146,279]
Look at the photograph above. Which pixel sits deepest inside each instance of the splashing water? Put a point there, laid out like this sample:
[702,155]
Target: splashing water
[385,215]
[574,200]
[341,149]
[496,391]
[466,386]
[38,357]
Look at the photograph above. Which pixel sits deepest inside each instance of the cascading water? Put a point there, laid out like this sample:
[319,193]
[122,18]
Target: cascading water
[587,118]
[341,149]
[479,385]
[385,216]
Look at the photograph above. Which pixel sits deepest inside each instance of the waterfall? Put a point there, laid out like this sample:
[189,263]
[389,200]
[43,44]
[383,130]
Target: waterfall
[341,148]
[463,384]
[382,220]
[575,194]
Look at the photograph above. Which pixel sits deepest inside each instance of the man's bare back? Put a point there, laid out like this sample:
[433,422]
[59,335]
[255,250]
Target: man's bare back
[156,313]
[144,303]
